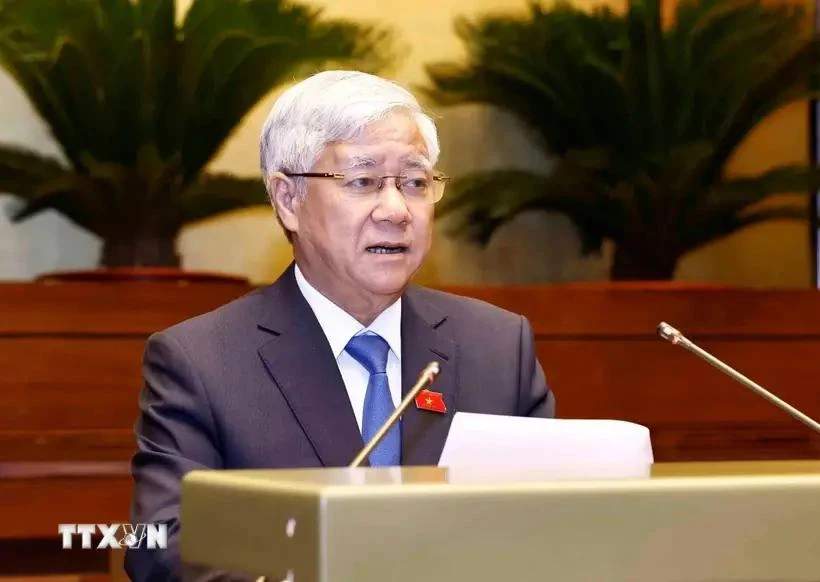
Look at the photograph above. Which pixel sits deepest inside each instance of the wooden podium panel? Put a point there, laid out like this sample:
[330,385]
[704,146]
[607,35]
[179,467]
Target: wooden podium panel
[699,524]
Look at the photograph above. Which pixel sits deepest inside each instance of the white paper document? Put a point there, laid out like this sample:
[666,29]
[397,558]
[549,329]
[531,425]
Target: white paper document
[484,446]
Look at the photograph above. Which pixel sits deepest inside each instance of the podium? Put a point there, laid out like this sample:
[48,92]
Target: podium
[688,522]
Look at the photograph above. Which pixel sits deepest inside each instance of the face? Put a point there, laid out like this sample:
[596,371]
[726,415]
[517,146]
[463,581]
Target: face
[361,250]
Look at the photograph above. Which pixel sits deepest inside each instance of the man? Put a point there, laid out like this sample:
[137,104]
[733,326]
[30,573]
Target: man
[301,373]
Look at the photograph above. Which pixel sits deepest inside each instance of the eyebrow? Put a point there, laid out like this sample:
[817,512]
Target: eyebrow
[360,162]
[408,161]
[415,161]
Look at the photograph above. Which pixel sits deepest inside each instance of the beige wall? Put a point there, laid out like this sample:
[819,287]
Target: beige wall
[533,248]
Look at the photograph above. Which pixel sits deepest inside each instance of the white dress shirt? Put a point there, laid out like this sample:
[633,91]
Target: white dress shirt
[339,326]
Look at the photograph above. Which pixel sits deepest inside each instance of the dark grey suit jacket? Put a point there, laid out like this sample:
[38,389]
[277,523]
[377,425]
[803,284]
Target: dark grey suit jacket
[254,384]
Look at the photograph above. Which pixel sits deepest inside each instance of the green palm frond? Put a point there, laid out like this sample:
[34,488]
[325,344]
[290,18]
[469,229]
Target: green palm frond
[140,104]
[78,198]
[732,204]
[721,225]
[482,201]
[21,170]
[234,53]
[668,106]
[796,77]
[219,193]
[541,68]
[747,191]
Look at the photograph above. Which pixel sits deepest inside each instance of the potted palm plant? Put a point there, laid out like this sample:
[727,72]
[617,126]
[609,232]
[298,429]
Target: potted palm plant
[140,104]
[638,118]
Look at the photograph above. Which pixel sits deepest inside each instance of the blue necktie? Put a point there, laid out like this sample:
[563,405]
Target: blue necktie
[370,351]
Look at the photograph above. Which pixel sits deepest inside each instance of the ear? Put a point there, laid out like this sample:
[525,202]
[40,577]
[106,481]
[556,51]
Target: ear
[285,200]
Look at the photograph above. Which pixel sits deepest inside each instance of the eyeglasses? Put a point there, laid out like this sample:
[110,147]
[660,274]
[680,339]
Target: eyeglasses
[416,186]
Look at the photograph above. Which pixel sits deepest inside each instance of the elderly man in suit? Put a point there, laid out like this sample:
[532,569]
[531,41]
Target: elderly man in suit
[302,372]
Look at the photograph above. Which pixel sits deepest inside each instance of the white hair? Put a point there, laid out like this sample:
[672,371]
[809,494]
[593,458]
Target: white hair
[332,106]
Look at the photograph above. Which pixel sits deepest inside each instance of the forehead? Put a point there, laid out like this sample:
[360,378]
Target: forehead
[394,139]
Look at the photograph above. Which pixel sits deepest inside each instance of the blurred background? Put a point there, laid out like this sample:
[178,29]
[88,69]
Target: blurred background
[535,243]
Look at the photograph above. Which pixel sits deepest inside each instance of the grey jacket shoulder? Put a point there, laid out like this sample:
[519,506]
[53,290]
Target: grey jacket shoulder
[249,309]
[470,321]
[223,321]
[467,309]
[496,347]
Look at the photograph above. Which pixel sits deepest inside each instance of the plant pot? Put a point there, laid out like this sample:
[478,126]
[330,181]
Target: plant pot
[649,285]
[141,274]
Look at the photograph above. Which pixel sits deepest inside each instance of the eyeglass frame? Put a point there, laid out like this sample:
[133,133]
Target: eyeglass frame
[338,176]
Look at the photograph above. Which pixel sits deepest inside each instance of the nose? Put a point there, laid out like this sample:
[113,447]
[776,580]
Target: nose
[391,205]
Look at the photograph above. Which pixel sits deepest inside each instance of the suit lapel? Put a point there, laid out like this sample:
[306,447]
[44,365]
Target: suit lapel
[423,341]
[301,363]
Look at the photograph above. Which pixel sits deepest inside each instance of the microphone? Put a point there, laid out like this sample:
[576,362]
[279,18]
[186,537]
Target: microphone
[426,378]
[676,338]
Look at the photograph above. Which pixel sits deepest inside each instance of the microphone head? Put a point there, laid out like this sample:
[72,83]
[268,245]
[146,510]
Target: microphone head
[668,332]
[432,371]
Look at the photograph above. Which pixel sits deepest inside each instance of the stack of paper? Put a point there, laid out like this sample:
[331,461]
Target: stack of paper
[483,447]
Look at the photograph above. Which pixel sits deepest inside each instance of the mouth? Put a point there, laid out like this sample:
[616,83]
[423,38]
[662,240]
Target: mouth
[387,249]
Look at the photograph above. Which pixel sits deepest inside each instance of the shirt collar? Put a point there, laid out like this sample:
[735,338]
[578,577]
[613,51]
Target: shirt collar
[339,326]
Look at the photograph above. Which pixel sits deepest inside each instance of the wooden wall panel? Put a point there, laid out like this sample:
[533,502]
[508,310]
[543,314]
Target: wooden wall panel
[70,498]
[61,445]
[603,358]
[57,383]
[71,309]
[629,310]
[38,496]
[71,354]
[655,381]
[71,358]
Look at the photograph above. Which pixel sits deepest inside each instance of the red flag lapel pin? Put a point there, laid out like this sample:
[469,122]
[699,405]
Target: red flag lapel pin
[432,401]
